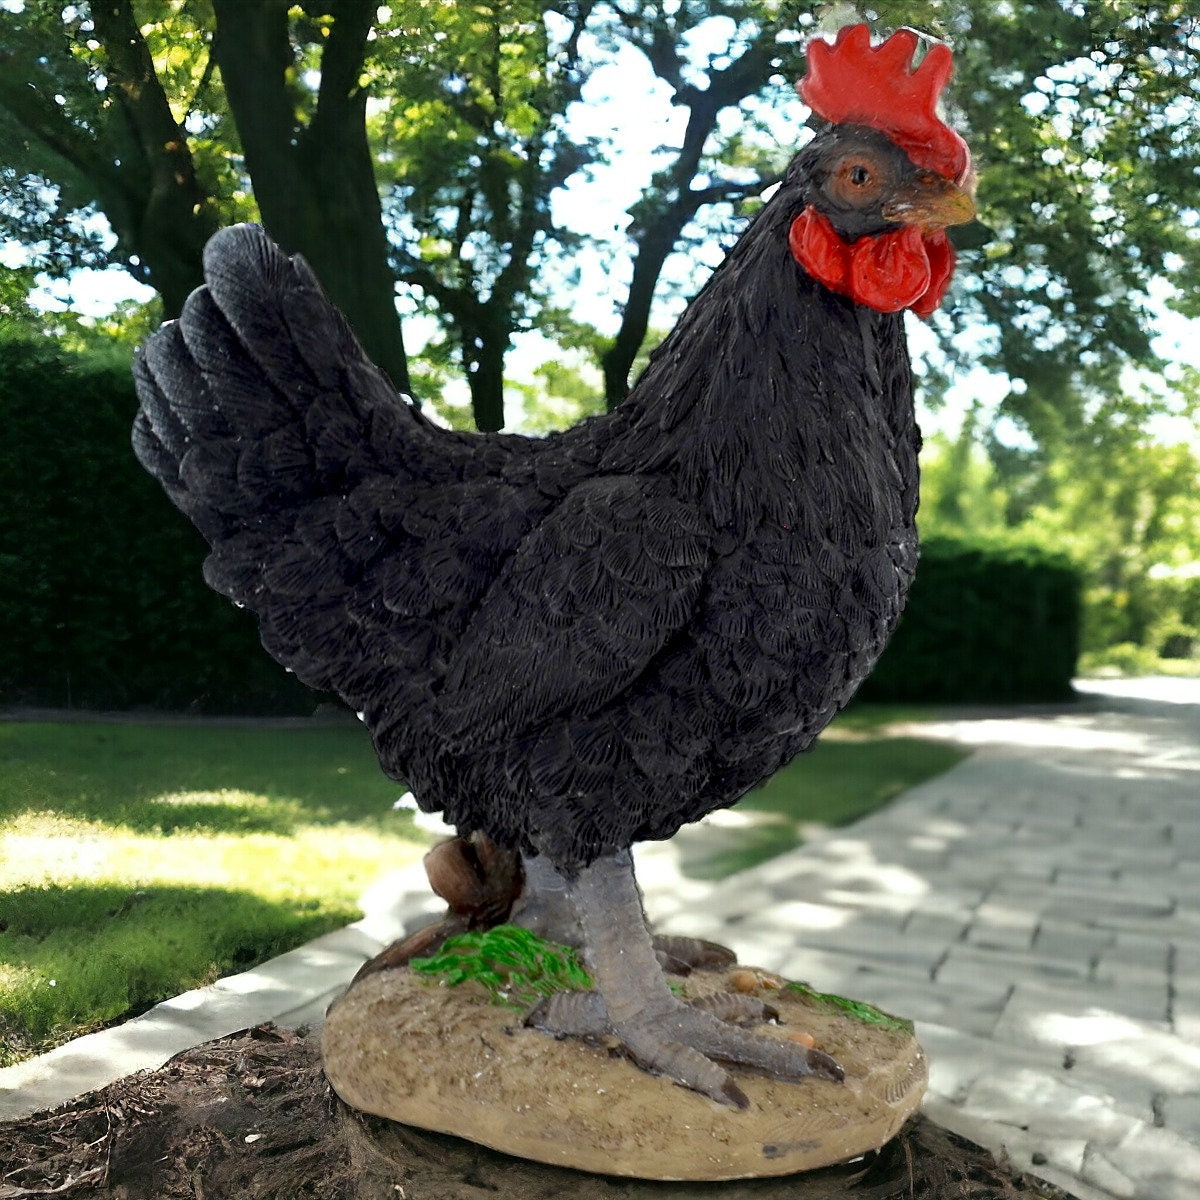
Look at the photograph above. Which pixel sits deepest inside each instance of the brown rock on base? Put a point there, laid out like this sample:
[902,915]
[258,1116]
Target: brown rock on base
[448,1060]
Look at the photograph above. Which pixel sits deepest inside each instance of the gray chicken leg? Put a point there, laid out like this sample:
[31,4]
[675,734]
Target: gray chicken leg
[546,906]
[633,1002]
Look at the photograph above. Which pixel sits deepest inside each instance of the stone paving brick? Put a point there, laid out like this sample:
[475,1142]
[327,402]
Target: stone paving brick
[1145,949]
[813,920]
[1070,940]
[868,940]
[1110,910]
[947,929]
[973,1012]
[975,966]
[1187,960]
[1126,857]
[1116,856]
[1169,1063]
[1077,1016]
[1182,1113]
[1129,832]
[1033,1099]
[958,1059]
[1159,1164]
[822,969]
[1000,925]
[1187,1026]
[999,937]
[1097,879]
[1100,1171]
[1113,968]
[1144,1000]
[948,900]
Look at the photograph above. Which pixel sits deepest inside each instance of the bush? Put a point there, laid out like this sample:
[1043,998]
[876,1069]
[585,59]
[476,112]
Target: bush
[985,622]
[101,596]
[1125,658]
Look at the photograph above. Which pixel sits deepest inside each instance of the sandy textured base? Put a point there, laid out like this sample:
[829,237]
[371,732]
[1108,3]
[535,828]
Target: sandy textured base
[445,1059]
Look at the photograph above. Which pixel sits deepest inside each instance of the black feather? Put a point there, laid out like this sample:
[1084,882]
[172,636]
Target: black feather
[567,642]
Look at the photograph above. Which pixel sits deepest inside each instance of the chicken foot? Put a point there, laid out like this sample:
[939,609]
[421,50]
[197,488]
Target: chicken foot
[546,907]
[633,1003]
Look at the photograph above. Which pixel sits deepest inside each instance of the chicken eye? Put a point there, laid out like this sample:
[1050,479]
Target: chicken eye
[857,181]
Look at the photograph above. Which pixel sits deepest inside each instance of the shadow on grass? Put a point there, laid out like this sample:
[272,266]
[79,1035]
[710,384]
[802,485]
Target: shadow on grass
[168,778]
[73,958]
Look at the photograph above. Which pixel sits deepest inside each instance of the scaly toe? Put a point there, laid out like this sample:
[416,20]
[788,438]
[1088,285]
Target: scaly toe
[736,1007]
[776,1057]
[570,1014]
[683,955]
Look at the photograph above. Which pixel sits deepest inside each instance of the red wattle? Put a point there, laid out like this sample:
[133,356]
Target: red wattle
[941,269]
[887,272]
[815,245]
[890,271]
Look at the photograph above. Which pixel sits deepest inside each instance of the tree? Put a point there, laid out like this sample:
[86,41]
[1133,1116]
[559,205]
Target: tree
[1123,501]
[307,151]
[473,144]
[706,168]
[1087,127]
[1082,118]
[86,124]
[116,106]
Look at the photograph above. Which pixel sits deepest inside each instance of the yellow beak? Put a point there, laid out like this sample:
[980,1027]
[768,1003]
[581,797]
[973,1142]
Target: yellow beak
[930,202]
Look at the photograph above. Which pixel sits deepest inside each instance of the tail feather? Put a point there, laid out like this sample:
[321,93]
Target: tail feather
[177,386]
[246,395]
[309,476]
[262,293]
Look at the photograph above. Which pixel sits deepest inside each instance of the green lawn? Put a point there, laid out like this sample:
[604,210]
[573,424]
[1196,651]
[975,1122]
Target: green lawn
[137,861]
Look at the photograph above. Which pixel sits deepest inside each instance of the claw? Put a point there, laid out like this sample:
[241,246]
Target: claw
[734,1096]
[826,1067]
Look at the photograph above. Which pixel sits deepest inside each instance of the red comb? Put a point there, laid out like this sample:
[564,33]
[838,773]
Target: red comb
[851,81]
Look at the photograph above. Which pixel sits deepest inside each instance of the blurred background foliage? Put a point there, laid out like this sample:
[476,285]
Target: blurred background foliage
[448,168]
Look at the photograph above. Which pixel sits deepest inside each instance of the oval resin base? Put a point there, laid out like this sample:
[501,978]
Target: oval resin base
[448,1060]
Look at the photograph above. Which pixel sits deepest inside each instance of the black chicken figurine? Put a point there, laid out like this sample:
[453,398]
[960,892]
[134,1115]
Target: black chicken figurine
[576,642]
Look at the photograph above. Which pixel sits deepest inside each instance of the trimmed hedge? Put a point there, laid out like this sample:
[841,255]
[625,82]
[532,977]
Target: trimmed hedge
[102,603]
[985,623]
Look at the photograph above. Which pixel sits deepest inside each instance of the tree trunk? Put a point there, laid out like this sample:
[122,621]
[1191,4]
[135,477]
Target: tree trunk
[149,192]
[655,246]
[485,373]
[315,184]
[175,216]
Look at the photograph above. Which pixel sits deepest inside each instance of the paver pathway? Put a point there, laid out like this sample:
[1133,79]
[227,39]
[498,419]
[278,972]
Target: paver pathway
[1036,909]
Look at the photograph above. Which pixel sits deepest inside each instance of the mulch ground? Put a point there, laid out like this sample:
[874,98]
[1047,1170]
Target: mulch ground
[251,1117]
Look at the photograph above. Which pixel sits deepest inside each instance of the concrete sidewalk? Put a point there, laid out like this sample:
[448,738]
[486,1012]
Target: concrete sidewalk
[1036,909]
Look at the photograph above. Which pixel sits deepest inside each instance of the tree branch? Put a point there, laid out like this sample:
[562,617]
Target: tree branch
[46,122]
[657,229]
